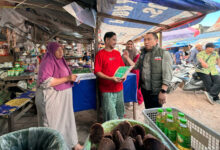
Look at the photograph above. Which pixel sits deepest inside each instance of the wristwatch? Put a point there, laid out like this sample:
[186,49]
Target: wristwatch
[163,91]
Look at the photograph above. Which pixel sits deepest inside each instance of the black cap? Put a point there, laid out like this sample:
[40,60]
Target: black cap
[211,45]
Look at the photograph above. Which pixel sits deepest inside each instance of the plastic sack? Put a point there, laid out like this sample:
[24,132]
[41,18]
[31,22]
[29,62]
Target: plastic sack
[110,125]
[37,138]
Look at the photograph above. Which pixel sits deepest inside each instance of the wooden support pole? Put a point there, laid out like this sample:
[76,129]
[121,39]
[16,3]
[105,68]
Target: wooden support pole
[160,40]
[10,122]
[134,110]
[35,33]
[91,54]
[98,101]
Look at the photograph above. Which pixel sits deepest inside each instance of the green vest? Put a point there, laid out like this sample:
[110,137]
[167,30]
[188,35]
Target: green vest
[156,68]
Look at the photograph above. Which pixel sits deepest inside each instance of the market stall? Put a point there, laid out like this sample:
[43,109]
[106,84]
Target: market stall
[84,94]
[9,110]
[28,49]
[43,21]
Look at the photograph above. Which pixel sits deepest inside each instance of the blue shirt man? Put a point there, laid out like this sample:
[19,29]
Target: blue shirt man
[179,57]
[193,54]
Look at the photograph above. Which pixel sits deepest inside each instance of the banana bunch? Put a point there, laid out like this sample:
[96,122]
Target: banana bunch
[17,102]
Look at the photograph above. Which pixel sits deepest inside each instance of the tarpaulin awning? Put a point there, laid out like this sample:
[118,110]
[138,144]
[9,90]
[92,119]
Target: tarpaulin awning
[205,36]
[163,14]
[48,20]
[182,44]
[178,34]
[203,6]
[217,44]
[215,27]
[207,40]
[202,39]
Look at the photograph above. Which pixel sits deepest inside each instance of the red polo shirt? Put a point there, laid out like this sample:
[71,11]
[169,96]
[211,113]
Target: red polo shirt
[107,63]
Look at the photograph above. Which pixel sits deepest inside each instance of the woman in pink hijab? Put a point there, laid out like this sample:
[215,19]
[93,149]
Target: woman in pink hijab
[133,54]
[54,95]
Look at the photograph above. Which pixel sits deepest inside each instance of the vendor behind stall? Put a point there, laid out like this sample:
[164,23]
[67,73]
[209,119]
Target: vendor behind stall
[86,57]
[54,95]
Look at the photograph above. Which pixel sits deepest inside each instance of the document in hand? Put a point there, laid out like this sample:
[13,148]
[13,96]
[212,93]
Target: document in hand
[85,76]
[123,71]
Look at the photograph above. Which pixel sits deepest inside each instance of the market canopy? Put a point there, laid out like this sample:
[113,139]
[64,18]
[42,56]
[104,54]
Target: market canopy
[204,36]
[172,37]
[202,39]
[48,19]
[180,34]
[131,19]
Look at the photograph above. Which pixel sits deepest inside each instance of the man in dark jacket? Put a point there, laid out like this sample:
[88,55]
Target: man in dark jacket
[155,65]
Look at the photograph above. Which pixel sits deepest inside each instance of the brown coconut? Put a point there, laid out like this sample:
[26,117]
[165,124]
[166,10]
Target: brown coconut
[137,130]
[96,133]
[93,148]
[152,143]
[128,144]
[139,143]
[106,144]
[124,128]
[108,135]
[119,140]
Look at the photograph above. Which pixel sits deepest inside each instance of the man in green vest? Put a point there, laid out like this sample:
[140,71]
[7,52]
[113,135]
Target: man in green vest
[155,65]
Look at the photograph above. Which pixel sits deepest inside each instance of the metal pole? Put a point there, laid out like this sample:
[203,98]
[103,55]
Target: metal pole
[98,101]
[134,110]
[160,33]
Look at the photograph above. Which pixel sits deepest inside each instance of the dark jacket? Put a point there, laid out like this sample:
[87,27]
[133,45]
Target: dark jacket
[161,68]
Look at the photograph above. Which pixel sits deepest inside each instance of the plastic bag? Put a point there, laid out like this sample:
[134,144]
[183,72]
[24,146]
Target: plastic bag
[37,138]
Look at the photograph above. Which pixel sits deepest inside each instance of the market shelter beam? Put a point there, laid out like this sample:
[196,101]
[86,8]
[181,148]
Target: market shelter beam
[132,20]
[38,4]
[180,23]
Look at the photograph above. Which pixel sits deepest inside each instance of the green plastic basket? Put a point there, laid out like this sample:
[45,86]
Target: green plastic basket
[202,138]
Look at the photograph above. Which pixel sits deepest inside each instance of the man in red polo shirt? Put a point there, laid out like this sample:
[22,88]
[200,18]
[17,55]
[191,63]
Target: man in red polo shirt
[107,61]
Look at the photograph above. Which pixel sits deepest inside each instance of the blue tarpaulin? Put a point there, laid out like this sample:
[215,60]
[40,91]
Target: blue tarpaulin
[217,44]
[180,34]
[166,12]
[203,6]
[205,36]
[182,43]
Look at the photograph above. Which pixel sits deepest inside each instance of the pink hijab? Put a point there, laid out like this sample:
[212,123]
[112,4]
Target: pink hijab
[132,53]
[52,67]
